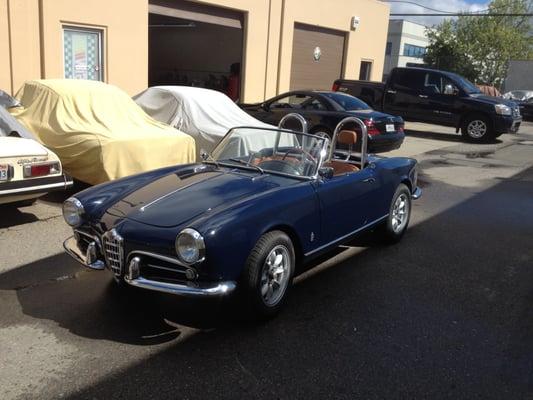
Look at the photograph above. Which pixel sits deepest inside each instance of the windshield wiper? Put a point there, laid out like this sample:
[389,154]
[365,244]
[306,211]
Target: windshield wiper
[247,164]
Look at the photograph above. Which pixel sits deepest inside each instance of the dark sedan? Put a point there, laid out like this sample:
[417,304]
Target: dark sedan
[324,109]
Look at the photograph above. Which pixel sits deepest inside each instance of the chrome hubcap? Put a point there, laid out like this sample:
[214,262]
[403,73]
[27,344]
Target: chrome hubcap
[477,129]
[400,213]
[275,275]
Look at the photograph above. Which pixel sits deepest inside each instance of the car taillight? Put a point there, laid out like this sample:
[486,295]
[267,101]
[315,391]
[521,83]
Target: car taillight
[335,87]
[36,170]
[400,129]
[371,128]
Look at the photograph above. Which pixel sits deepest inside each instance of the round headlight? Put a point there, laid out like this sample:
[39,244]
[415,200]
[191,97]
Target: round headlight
[190,246]
[72,211]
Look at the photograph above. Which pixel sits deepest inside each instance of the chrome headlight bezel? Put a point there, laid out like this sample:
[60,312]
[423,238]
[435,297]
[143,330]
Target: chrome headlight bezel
[502,109]
[73,212]
[190,241]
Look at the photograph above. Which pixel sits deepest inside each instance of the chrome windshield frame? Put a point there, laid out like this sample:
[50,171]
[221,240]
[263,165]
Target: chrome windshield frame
[323,152]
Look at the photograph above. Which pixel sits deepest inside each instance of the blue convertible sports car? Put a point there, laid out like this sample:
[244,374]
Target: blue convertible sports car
[264,203]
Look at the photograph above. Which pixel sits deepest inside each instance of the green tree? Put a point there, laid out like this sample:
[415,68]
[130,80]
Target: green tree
[480,48]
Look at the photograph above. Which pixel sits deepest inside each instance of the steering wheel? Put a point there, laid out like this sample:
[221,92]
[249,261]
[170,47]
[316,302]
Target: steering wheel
[301,151]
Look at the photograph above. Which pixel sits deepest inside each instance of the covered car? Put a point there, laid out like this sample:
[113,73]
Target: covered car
[206,115]
[97,130]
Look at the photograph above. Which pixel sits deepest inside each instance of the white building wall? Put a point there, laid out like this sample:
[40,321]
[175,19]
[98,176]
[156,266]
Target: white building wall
[403,32]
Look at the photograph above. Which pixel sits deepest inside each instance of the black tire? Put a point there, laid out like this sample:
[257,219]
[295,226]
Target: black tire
[252,282]
[477,128]
[390,233]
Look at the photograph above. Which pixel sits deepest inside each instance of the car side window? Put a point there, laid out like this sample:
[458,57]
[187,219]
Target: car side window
[313,104]
[435,83]
[407,79]
[295,101]
[432,83]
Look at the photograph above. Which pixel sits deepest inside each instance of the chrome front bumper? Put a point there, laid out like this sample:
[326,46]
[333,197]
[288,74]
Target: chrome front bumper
[133,278]
[417,193]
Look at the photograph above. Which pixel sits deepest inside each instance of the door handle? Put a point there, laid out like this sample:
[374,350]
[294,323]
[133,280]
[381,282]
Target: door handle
[391,91]
[369,180]
[422,96]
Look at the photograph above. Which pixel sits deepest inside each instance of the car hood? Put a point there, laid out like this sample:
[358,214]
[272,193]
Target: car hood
[173,200]
[492,100]
[19,147]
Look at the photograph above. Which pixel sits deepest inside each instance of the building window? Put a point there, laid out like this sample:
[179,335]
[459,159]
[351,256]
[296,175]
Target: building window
[82,50]
[365,70]
[411,50]
[388,49]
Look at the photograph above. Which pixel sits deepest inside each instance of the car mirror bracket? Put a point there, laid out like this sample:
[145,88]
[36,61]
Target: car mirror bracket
[325,172]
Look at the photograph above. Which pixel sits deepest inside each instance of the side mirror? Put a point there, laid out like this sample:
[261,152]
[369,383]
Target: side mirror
[203,155]
[450,90]
[326,172]
[265,106]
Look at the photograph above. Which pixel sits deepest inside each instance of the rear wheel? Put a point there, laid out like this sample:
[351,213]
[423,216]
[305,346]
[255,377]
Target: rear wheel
[399,215]
[268,274]
[477,128]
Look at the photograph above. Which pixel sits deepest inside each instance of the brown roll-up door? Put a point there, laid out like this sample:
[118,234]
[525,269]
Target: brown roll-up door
[306,71]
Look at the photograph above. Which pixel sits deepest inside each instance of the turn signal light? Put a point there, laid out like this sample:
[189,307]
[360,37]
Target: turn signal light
[36,170]
[335,87]
[371,128]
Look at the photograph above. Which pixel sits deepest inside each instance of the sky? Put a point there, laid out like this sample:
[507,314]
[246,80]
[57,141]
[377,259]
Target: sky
[449,5]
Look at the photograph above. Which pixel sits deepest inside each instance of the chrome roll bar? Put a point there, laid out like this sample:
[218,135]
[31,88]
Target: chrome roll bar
[364,137]
[287,117]
[296,116]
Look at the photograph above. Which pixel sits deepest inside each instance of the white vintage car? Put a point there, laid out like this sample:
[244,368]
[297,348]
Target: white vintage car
[27,171]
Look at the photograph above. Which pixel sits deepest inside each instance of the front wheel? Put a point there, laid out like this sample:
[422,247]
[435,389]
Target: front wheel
[399,215]
[268,274]
[478,129]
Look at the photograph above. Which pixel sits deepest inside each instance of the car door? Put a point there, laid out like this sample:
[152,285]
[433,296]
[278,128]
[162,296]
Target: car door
[346,203]
[403,94]
[438,105]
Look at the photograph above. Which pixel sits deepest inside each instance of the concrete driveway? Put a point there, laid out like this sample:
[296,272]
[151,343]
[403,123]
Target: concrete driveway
[446,314]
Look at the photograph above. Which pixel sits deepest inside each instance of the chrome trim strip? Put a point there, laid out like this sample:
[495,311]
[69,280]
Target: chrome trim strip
[158,256]
[346,236]
[206,290]
[416,194]
[37,188]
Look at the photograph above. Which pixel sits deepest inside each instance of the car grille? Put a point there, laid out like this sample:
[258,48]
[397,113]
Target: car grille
[516,111]
[113,251]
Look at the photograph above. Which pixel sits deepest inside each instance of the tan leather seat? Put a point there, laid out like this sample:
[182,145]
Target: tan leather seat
[348,138]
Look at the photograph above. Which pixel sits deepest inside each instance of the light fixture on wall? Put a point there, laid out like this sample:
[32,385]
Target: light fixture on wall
[354,23]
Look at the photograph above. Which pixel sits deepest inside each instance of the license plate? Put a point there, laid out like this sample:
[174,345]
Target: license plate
[389,127]
[4,169]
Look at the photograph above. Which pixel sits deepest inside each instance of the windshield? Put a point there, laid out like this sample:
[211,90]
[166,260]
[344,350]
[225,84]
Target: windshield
[467,86]
[271,151]
[347,102]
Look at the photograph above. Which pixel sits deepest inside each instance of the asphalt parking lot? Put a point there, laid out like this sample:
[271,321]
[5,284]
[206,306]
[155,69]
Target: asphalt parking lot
[445,314]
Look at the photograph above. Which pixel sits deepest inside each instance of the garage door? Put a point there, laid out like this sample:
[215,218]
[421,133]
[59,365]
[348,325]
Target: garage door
[195,44]
[317,56]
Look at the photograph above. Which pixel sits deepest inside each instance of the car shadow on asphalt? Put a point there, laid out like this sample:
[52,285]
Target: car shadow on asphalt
[444,314]
[11,216]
